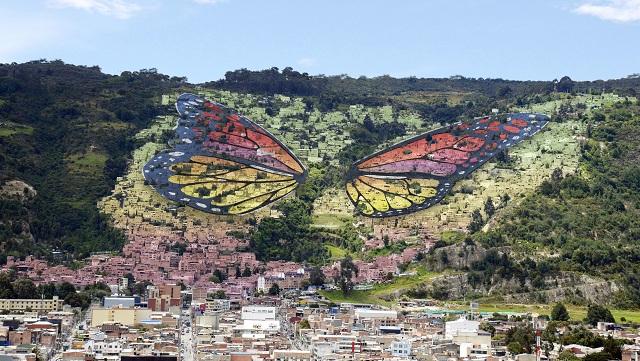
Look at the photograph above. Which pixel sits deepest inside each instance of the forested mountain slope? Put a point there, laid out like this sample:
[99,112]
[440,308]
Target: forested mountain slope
[67,132]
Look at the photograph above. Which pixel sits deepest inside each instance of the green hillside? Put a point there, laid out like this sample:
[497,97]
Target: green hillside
[566,201]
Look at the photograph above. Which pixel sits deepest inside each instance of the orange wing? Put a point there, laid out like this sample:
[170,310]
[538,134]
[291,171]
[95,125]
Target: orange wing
[222,162]
[418,173]
[224,132]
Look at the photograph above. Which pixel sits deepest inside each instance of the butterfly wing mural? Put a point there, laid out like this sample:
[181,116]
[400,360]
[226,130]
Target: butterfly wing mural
[222,162]
[417,173]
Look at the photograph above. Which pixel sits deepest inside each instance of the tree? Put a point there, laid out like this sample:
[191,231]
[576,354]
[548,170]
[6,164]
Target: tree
[47,290]
[515,347]
[565,85]
[288,237]
[567,355]
[505,91]
[131,280]
[316,276]
[64,289]
[6,284]
[344,279]
[217,295]
[489,207]
[522,336]
[504,200]
[597,313]
[487,327]
[598,356]
[78,299]
[476,221]
[140,288]
[549,333]
[559,312]
[24,288]
[598,117]
[219,275]
[304,324]
[274,290]
[246,272]
[98,290]
[613,348]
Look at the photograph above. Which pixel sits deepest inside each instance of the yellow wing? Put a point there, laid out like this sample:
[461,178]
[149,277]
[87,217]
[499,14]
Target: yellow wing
[221,186]
[381,196]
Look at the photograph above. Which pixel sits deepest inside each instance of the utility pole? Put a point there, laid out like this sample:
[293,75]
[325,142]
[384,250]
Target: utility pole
[537,344]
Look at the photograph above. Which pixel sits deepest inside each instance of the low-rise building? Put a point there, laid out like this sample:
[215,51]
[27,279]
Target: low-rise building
[37,305]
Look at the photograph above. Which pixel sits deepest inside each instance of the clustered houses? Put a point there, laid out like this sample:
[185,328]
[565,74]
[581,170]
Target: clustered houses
[167,325]
[21,331]
[152,257]
[378,269]
[285,329]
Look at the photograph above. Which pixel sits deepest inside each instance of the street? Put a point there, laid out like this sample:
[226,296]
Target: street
[187,344]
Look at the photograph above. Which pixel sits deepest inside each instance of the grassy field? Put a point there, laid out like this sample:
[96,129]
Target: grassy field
[335,252]
[331,221]
[374,295]
[99,126]
[576,313]
[8,129]
[87,163]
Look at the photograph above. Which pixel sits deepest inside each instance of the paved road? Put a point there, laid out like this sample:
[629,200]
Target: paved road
[66,339]
[187,344]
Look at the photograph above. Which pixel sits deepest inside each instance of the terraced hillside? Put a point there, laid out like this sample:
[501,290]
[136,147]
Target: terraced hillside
[317,139]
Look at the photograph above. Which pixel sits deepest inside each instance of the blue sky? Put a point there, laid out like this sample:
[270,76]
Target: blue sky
[202,39]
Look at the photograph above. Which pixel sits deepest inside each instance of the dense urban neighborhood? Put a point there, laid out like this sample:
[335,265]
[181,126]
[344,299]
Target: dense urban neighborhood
[173,322]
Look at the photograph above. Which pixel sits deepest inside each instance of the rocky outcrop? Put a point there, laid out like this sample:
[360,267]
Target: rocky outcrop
[563,286]
[15,223]
[459,256]
[16,189]
[514,285]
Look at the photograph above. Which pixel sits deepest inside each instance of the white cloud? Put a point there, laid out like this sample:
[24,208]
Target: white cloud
[307,62]
[612,10]
[120,9]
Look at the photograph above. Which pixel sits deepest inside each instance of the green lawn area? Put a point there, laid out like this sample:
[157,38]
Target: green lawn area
[110,126]
[379,290]
[577,313]
[452,237]
[331,221]
[8,129]
[373,296]
[335,251]
[90,162]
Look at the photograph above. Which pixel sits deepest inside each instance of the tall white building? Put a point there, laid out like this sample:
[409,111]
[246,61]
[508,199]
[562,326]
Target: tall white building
[460,326]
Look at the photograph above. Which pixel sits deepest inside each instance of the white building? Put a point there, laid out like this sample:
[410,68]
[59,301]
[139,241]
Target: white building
[473,344]
[217,305]
[367,313]
[259,319]
[260,313]
[461,325]
[401,348]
